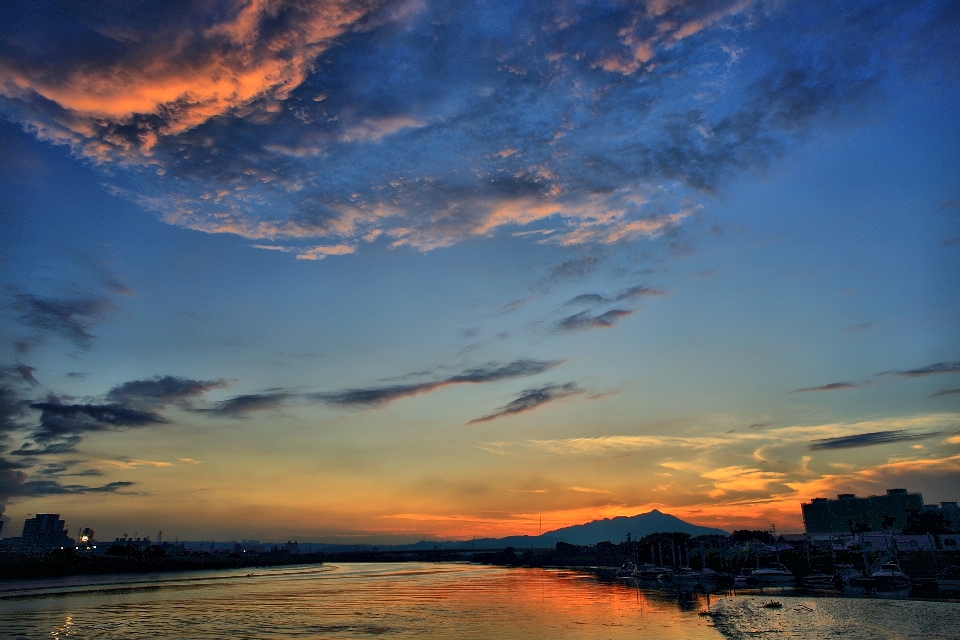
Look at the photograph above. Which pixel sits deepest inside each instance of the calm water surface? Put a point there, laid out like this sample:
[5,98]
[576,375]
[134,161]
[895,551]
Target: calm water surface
[407,600]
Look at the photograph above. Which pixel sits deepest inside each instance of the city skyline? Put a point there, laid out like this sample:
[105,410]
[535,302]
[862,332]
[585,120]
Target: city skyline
[386,271]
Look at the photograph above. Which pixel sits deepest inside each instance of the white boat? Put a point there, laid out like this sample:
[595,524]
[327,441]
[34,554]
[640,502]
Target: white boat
[777,575]
[652,572]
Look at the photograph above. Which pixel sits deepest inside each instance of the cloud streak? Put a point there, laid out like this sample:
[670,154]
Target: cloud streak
[833,386]
[869,439]
[70,318]
[583,320]
[162,391]
[531,399]
[937,368]
[378,396]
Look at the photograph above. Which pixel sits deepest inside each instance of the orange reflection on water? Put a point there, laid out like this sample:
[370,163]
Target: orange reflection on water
[351,600]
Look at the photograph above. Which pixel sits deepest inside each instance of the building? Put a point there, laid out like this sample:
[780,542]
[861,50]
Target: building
[949,510]
[44,532]
[849,513]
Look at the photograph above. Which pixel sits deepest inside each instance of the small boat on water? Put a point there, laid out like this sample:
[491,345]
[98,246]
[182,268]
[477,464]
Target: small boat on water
[686,578]
[653,572]
[627,570]
[891,582]
[775,576]
[948,580]
[819,581]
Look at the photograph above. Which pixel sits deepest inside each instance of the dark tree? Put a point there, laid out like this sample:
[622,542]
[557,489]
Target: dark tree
[887,522]
[926,522]
[746,535]
[859,527]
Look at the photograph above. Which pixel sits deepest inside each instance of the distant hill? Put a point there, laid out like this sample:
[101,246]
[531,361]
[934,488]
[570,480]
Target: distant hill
[612,529]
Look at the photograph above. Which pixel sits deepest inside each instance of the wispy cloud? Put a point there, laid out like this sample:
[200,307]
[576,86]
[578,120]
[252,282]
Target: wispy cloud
[36,488]
[930,370]
[944,392]
[240,406]
[531,399]
[869,439]
[631,293]
[376,396]
[63,426]
[161,391]
[833,386]
[70,318]
[583,320]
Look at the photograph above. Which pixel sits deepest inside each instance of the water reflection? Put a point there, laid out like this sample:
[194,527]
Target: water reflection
[357,600]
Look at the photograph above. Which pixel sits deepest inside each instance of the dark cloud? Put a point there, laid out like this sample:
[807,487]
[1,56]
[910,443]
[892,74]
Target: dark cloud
[833,386]
[36,488]
[107,278]
[573,269]
[70,318]
[161,391]
[626,294]
[638,292]
[531,399]
[375,396]
[584,320]
[869,439]
[239,406]
[944,392]
[859,328]
[588,298]
[12,477]
[63,426]
[759,425]
[26,373]
[66,444]
[13,402]
[929,370]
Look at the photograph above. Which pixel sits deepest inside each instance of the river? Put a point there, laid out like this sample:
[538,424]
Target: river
[423,600]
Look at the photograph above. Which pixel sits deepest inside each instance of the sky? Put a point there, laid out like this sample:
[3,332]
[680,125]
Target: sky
[372,271]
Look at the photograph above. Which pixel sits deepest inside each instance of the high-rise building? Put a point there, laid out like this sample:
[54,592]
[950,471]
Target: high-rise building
[43,532]
[849,513]
[948,510]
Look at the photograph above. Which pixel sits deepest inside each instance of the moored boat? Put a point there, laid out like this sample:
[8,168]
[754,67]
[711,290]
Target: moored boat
[891,582]
[775,576]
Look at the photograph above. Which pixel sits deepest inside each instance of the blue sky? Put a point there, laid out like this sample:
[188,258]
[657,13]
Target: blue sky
[388,270]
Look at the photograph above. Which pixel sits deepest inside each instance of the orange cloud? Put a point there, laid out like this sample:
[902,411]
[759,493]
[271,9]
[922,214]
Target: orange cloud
[667,31]
[182,78]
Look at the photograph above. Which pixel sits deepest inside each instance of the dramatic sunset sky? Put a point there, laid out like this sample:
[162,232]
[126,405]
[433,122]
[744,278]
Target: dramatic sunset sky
[382,271]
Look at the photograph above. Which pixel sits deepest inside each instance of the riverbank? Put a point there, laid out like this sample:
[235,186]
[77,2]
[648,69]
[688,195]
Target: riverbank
[62,563]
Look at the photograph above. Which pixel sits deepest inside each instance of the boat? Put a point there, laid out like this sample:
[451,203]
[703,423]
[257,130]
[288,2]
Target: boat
[891,582]
[775,576]
[627,570]
[686,578]
[818,581]
[949,579]
[653,572]
[853,582]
